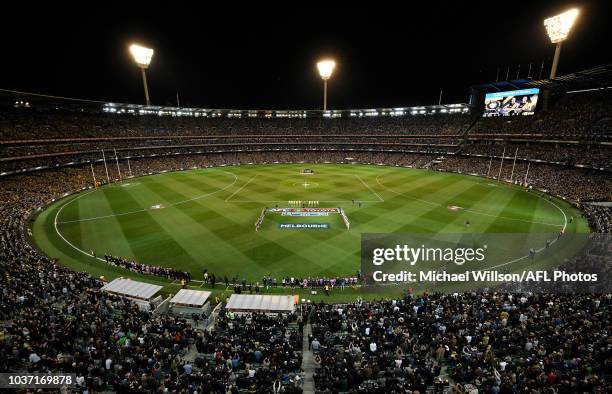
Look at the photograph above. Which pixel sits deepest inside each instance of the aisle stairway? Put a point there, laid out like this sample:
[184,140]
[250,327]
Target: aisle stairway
[308,364]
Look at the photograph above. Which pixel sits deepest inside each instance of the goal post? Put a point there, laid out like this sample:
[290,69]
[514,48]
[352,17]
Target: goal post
[260,219]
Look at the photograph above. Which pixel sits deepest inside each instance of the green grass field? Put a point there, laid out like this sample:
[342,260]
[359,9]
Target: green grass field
[205,218]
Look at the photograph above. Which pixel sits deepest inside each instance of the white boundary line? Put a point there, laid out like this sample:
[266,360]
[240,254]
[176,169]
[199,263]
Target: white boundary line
[536,250]
[146,209]
[242,187]
[55,222]
[561,210]
[564,225]
[501,217]
[368,186]
[62,236]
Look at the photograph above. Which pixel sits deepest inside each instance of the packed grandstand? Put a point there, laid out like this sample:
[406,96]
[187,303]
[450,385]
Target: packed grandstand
[53,319]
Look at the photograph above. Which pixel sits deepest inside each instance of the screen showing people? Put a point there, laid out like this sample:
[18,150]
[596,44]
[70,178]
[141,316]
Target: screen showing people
[511,103]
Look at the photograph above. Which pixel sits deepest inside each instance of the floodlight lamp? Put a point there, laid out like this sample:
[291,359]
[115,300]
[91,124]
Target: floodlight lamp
[142,56]
[559,26]
[326,67]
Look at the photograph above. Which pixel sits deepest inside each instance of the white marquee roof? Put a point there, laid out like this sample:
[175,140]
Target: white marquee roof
[132,288]
[191,297]
[264,303]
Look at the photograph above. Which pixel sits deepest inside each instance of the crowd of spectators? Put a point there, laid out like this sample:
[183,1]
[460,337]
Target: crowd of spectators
[594,156]
[36,148]
[489,342]
[30,137]
[53,319]
[35,124]
[594,259]
[79,158]
[577,184]
[589,155]
[584,116]
[600,217]
[267,349]
[56,319]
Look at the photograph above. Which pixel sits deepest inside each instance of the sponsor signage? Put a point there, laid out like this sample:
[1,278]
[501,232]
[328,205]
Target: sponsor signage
[303,226]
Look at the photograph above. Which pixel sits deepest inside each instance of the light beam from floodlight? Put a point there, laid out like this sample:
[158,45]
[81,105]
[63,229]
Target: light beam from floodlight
[558,28]
[142,56]
[326,68]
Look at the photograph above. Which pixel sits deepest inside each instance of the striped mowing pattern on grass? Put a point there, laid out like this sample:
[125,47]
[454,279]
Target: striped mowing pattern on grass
[205,217]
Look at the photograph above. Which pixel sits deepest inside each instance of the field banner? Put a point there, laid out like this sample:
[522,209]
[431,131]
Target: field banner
[533,262]
[304,214]
[304,226]
[304,210]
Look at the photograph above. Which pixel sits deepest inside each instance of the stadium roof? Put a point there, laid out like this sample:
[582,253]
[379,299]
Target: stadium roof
[599,77]
[191,297]
[18,99]
[261,303]
[132,288]
[593,78]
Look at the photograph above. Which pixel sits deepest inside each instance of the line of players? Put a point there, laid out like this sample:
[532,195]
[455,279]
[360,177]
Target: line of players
[303,204]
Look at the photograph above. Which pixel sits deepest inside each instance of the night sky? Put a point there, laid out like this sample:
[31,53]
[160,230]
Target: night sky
[264,57]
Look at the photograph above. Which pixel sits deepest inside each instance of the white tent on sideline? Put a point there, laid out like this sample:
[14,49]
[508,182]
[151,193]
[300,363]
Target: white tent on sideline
[261,303]
[140,292]
[190,301]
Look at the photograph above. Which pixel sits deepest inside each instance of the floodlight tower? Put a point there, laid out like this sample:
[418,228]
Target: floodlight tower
[142,57]
[326,67]
[558,28]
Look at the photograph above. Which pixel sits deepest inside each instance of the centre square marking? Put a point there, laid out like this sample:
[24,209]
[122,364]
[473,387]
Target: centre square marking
[306,185]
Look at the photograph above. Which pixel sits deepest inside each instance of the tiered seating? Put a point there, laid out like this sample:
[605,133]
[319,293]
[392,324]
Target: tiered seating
[582,116]
[252,351]
[486,342]
[31,137]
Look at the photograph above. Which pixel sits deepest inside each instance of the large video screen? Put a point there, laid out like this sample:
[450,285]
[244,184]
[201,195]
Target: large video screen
[511,103]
